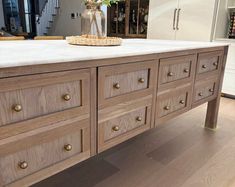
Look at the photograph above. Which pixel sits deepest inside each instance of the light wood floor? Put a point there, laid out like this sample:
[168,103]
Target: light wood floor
[180,153]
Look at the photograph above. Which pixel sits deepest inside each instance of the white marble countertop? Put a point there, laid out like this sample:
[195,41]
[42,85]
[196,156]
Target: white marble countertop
[30,52]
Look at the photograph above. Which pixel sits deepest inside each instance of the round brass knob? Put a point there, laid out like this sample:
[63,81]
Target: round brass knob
[167,107]
[200,94]
[170,74]
[211,90]
[68,147]
[215,63]
[117,86]
[17,108]
[182,102]
[204,66]
[141,80]
[23,165]
[66,97]
[138,118]
[186,70]
[116,128]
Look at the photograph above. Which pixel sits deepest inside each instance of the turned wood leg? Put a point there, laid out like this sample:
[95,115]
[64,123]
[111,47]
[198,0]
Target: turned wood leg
[212,113]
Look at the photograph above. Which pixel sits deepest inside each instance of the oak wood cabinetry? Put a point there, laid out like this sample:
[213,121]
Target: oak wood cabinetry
[53,120]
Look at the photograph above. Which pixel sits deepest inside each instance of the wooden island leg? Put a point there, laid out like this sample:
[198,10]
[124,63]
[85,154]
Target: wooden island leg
[213,106]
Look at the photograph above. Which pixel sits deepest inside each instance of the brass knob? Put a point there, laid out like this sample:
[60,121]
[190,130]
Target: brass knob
[167,107]
[186,70]
[17,108]
[215,63]
[66,97]
[116,128]
[200,94]
[170,74]
[68,147]
[23,165]
[211,90]
[141,80]
[117,86]
[204,66]
[138,118]
[182,102]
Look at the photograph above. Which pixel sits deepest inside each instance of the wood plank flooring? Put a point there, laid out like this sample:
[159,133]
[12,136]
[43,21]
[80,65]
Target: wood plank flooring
[179,153]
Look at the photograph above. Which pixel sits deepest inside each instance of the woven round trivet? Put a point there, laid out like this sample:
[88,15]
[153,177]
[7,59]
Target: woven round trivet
[91,40]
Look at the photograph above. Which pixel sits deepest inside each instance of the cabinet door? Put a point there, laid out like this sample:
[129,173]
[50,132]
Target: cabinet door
[161,19]
[195,20]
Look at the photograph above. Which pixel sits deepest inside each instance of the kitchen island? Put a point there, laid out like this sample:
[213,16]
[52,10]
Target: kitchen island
[61,104]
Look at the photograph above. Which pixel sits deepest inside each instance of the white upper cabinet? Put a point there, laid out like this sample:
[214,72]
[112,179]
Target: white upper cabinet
[161,21]
[196,20]
[181,19]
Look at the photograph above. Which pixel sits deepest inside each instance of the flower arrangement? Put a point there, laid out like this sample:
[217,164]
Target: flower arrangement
[101,2]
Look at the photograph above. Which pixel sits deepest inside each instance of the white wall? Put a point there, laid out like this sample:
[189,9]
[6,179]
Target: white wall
[2,24]
[64,25]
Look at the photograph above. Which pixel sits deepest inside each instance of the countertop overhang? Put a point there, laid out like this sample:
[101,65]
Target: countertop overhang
[31,52]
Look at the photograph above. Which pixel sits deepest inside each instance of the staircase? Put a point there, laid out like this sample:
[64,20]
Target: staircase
[44,21]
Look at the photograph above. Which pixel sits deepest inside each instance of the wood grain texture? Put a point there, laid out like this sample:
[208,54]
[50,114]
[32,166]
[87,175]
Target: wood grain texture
[169,103]
[41,95]
[213,106]
[176,71]
[42,150]
[206,64]
[129,82]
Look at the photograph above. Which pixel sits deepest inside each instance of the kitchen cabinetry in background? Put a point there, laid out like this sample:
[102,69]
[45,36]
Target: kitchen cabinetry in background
[181,19]
[128,19]
[224,29]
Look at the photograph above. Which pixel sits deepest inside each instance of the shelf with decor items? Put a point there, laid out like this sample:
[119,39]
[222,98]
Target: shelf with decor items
[128,19]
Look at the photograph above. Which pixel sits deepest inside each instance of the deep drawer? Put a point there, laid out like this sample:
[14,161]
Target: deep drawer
[34,153]
[39,95]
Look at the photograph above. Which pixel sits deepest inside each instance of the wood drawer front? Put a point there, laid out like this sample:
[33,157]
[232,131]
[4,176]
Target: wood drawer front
[42,94]
[119,80]
[43,150]
[173,101]
[121,128]
[209,62]
[204,90]
[176,69]
[128,82]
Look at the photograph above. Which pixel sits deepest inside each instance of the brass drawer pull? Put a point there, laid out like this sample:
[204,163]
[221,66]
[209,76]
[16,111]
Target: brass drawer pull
[182,102]
[170,74]
[67,97]
[167,107]
[141,80]
[116,128]
[215,63]
[139,118]
[23,165]
[211,90]
[186,70]
[17,108]
[200,94]
[68,147]
[204,66]
[117,86]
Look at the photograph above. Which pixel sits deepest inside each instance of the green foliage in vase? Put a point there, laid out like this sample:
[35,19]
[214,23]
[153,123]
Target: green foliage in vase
[102,2]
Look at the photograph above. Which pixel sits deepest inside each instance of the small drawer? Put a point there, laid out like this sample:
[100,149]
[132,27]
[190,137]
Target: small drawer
[119,80]
[31,154]
[118,129]
[125,83]
[173,102]
[28,97]
[204,90]
[176,70]
[209,62]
